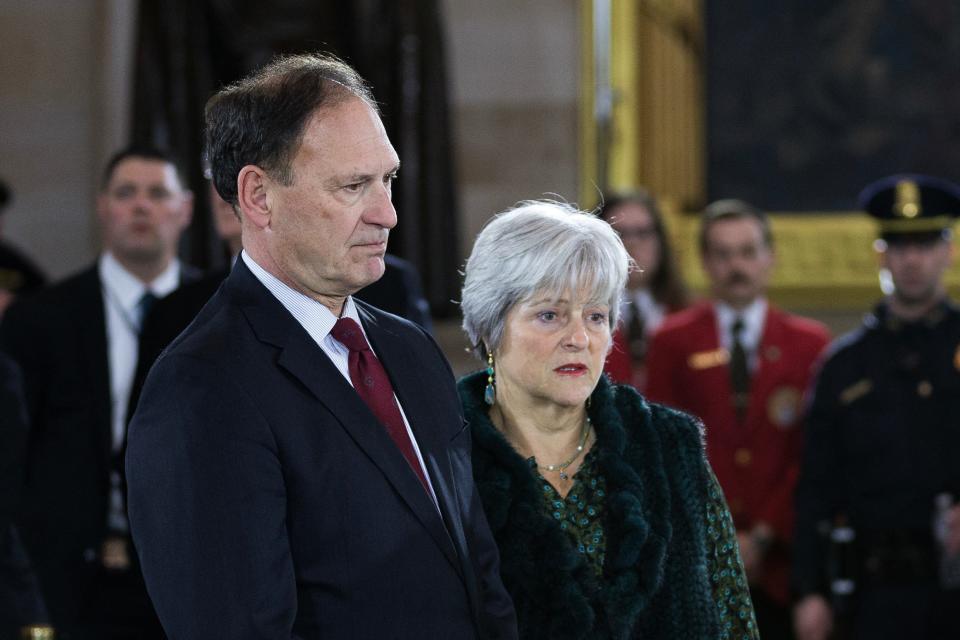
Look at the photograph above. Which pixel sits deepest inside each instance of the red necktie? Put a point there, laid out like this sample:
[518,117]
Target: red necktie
[371,382]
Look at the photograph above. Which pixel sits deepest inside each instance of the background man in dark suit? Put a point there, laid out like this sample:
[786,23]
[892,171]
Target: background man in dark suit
[76,343]
[285,480]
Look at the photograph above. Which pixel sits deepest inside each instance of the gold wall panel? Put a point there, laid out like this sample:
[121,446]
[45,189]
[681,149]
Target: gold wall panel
[824,260]
[656,137]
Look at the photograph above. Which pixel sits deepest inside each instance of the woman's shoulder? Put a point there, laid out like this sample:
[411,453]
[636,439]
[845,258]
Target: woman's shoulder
[470,389]
[637,414]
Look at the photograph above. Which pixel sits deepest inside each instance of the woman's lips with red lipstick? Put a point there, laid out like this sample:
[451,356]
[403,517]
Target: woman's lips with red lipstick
[571,369]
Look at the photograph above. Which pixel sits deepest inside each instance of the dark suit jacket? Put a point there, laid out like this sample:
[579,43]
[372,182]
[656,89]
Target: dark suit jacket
[168,317]
[58,337]
[266,501]
[18,273]
[20,600]
[397,292]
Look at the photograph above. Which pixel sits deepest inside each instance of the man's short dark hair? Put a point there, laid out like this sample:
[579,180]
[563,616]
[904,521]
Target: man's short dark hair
[141,151]
[733,209]
[4,195]
[261,119]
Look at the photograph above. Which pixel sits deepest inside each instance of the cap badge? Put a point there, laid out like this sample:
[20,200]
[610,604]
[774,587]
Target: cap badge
[907,204]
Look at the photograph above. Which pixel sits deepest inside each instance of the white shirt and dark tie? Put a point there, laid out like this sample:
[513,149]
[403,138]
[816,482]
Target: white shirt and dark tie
[752,317]
[123,310]
[740,332]
[318,321]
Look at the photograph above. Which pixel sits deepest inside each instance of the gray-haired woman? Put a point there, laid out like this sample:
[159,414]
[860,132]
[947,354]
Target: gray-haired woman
[609,520]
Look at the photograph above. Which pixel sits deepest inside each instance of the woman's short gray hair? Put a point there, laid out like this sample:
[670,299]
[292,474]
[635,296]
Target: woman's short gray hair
[539,246]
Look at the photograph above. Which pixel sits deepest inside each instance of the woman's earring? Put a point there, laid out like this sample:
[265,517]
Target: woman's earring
[490,393]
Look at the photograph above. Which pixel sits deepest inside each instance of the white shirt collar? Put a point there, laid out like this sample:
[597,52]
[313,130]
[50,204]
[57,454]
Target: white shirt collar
[127,289]
[316,318]
[752,315]
[652,311]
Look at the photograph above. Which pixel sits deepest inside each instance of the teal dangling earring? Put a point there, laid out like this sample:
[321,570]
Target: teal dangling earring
[490,393]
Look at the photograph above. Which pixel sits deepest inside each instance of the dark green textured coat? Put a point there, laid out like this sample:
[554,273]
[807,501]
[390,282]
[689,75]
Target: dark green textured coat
[655,582]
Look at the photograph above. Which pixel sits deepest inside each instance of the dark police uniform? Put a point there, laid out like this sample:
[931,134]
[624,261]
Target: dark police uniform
[882,442]
[18,274]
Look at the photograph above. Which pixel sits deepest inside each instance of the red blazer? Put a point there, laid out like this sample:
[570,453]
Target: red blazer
[757,462]
[619,365]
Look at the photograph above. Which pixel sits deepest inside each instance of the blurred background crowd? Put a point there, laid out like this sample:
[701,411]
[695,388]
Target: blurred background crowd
[775,169]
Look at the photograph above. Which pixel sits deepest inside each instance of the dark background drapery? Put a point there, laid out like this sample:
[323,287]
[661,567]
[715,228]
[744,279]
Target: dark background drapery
[187,49]
[810,100]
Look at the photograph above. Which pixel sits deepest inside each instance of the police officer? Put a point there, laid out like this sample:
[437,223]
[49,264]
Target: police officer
[883,440]
[18,273]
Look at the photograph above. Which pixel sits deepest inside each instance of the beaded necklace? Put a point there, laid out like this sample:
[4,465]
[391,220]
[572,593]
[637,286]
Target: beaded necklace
[562,467]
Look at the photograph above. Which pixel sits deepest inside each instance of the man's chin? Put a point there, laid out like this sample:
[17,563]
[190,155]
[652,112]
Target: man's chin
[139,254]
[740,297]
[915,298]
[374,268]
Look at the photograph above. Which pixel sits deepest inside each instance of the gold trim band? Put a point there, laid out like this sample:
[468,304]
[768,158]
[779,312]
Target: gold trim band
[919,225]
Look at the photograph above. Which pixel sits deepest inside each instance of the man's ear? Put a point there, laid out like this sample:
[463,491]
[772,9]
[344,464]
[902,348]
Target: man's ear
[252,184]
[186,209]
[880,251]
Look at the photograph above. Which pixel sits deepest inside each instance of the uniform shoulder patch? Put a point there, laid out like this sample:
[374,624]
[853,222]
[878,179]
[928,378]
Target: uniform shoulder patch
[856,390]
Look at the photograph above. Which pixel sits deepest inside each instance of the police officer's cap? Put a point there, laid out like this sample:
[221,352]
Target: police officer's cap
[912,206]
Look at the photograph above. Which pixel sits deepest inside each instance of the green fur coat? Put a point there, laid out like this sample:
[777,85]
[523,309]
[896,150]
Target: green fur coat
[656,580]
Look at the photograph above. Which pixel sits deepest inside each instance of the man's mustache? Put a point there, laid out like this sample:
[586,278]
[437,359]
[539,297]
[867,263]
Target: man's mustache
[737,277]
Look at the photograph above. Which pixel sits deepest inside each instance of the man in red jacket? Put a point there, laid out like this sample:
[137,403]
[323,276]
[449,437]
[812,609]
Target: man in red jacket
[742,366]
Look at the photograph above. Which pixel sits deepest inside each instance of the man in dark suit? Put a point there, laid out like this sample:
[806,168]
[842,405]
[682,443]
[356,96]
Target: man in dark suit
[298,465]
[76,343]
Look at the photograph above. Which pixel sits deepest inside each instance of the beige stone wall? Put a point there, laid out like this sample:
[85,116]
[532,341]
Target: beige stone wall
[514,81]
[513,69]
[65,74]
[64,77]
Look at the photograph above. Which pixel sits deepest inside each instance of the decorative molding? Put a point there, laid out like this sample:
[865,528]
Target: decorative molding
[642,110]
[825,260]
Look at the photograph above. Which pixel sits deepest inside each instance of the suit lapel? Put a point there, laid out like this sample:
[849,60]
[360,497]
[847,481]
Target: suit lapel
[396,357]
[90,323]
[433,442]
[717,382]
[769,361]
[719,376]
[303,359]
